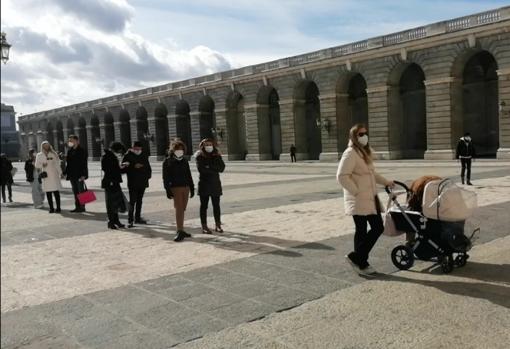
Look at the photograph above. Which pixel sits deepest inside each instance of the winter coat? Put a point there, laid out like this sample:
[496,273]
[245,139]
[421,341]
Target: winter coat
[210,167]
[52,168]
[359,182]
[76,163]
[465,149]
[176,173]
[112,172]
[29,170]
[137,177]
[5,171]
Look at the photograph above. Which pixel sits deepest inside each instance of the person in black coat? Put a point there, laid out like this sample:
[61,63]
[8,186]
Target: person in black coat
[113,169]
[465,152]
[76,169]
[139,172]
[210,164]
[6,176]
[178,184]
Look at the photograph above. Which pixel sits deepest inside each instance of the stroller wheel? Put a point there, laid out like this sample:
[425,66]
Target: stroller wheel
[461,260]
[447,264]
[402,257]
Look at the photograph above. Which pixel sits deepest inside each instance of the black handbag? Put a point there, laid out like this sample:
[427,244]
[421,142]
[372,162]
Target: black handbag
[43,174]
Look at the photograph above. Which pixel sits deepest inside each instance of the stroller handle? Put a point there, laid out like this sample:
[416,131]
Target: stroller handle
[388,190]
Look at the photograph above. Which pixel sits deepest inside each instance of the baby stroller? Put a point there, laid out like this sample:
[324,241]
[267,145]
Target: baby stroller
[439,228]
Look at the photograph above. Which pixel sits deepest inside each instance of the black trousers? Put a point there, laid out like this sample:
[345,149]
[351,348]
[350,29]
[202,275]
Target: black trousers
[50,199]
[135,201]
[113,200]
[9,189]
[466,165]
[78,187]
[293,158]
[364,241]
[204,202]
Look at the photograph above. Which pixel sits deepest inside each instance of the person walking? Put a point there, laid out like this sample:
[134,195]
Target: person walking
[76,169]
[138,172]
[465,152]
[47,163]
[357,175]
[178,184]
[293,153]
[113,168]
[210,164]
[6,176]
[32,175]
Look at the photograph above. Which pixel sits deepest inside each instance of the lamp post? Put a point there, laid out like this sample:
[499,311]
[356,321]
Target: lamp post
[5,48]
[217,132]
[324,124]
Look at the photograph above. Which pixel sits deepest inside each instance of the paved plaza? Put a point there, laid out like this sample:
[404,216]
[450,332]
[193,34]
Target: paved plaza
[275,279]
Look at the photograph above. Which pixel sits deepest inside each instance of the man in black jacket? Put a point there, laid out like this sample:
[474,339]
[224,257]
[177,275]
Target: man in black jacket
[76,169]
[465,152]
[138,174]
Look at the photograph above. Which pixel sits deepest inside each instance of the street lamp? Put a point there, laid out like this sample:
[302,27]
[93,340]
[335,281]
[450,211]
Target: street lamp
[217,132]
[5,48]
[324,124]
[148,137]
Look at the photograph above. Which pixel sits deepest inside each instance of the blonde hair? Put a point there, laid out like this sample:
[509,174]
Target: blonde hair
[51,148]
[364,151]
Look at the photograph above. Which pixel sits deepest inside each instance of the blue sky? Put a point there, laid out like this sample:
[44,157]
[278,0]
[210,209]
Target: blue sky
[66,52]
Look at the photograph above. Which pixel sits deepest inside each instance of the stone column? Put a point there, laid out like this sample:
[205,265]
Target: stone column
[287,124]
[221,127]
[172,128]
[116,131]
[91,141]
[133,123]
[378,105]
[195,129]
[343,121]
[504,113]
[252,132]
[41,136]
[152,141]
[328,135]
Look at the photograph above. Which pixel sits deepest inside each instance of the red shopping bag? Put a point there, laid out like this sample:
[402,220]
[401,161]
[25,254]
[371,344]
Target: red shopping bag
[86,196]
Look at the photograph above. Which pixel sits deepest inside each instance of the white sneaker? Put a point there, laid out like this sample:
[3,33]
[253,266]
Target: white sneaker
[354,266]
[368,271]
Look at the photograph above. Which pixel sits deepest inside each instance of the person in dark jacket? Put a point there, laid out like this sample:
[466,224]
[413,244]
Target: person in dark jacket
[210,164]
[138,172]
[293,153]
[6,176]
[113,169]
[465,152]
[178,184]
[76,169]
[32,175]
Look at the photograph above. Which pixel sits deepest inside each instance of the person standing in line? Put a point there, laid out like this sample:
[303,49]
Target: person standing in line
[6,176]
[32,175]
[357,175]
[113,168]
[138,172]
[210,164]
[293,153]
[47,163]
[178,184]
[465,152]
[76,169]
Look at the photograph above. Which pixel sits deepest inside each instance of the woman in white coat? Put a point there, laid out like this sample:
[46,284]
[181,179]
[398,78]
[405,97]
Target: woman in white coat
[357,175]
[48,164]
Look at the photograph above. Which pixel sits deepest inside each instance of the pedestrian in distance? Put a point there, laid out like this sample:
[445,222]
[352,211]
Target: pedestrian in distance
[356,173]
[47,163]
[466,153]
[138,172]
[76,169]
[32,175]
[178,184]
[6,176]
[210,164]
[113,167]
[293,153]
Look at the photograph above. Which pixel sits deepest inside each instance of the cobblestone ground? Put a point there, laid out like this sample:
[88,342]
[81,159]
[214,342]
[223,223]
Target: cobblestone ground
[68,282]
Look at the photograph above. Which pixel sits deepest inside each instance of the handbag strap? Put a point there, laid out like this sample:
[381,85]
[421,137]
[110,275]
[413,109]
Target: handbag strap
[84,186]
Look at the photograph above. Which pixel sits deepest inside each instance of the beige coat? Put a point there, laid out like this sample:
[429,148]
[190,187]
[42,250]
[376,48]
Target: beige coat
[50,163]
[359,182]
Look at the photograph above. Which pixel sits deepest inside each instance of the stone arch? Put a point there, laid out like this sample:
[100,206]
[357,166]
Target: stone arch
[125,127]
[82,133]
[306,117]
[60,136]
[183,124]
[95,137]
[142,128]
[207,118]
[236,126]
[161,120]
[269,125]
[109,131]
[49,134]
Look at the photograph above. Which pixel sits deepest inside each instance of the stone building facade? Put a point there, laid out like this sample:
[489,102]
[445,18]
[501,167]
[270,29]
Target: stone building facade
[9,137]
[418,90]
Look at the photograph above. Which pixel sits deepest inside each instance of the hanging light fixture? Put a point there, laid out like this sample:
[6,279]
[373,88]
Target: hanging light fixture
[5,48]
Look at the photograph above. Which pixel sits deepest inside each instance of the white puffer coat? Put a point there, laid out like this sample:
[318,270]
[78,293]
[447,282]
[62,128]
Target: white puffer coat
[359,182]
[49,163]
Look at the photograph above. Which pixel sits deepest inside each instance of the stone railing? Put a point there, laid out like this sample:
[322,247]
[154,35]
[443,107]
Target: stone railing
[452,25]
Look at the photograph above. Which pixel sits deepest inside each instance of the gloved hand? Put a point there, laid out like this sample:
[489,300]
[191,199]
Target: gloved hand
[191,192]
[169,194]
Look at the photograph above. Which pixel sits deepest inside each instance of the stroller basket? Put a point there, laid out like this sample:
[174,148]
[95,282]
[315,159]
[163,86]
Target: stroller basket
[402,224]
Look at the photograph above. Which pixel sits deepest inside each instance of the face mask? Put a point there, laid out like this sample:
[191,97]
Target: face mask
[179,153]
[119,156]
[467,139]
[363,140]
[70,144]
[137,152]
[209,148]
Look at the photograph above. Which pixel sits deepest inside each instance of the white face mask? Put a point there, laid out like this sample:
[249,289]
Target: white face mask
[137,152]
[209,148]
[468,139]
[179,153]
[70,144]
[363,140]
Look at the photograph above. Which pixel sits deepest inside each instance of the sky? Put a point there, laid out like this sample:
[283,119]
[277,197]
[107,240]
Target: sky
[70,51]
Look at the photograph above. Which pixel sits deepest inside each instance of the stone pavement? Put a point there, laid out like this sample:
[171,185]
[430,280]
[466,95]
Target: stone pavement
[68,282]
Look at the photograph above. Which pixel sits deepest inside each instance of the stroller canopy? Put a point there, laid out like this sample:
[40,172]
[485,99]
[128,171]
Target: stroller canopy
[444,200]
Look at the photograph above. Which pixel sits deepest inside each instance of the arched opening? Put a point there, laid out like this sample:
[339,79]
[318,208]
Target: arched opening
[109,131]
[95,137]
[60,137]
[480,102]
[160,115]
[306,119]
[357,100]
[183,124]
[269,126]
[70,127]
[125,128]
[207,118]
[236,127]
[49,135]
[82,133]
[142,128]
